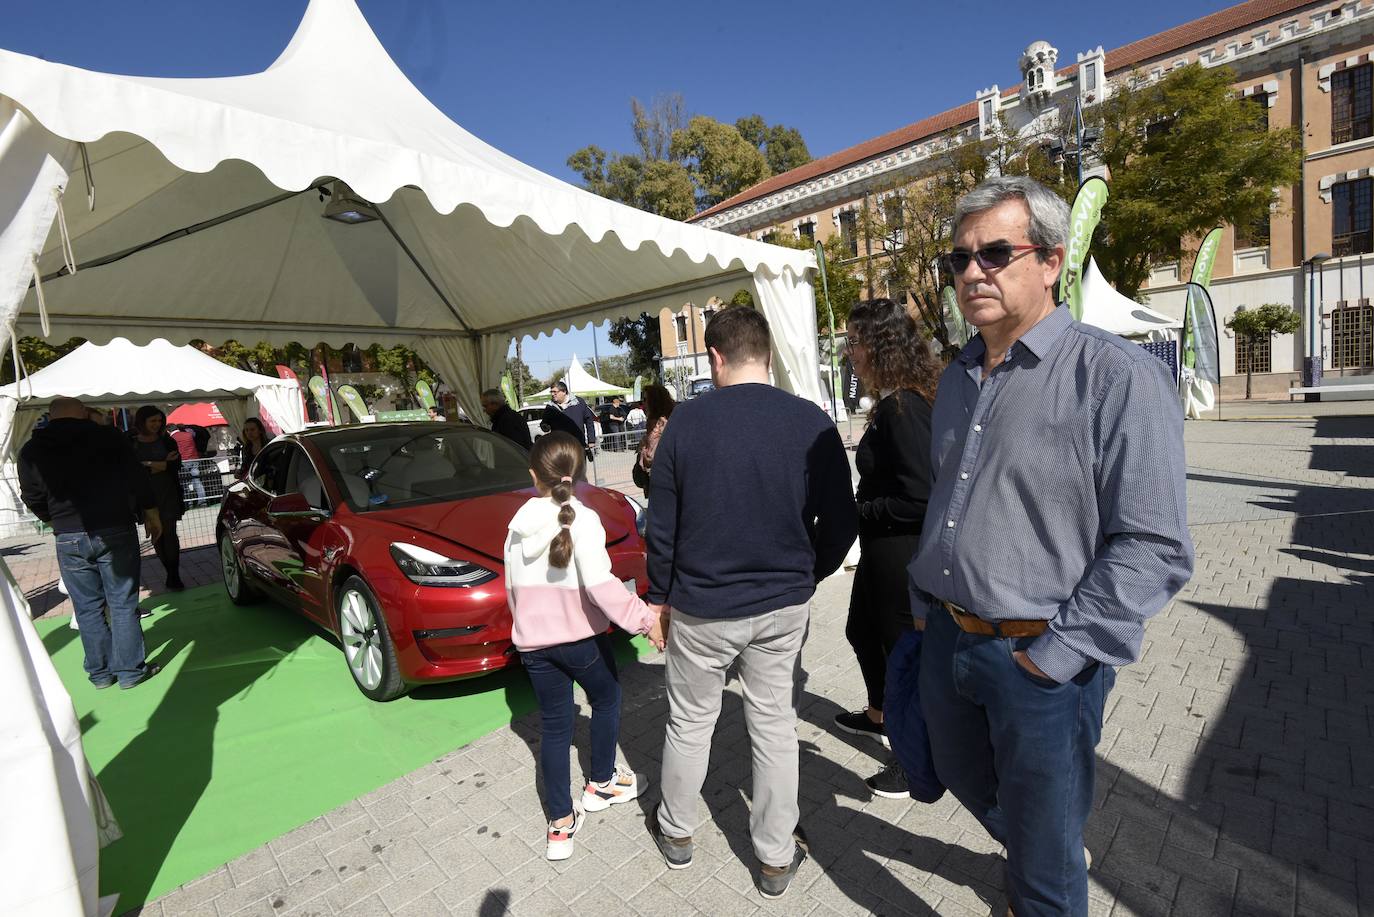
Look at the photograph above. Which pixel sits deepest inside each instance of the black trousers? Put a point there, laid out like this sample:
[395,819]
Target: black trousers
[879,607]
[168,550]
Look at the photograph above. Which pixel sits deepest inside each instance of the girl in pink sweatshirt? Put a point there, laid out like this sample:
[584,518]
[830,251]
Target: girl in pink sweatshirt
[562,597]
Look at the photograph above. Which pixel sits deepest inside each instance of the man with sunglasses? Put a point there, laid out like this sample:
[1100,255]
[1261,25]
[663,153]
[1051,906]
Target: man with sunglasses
[1056,527]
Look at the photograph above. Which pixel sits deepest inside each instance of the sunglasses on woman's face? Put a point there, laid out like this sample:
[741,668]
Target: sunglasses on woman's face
[989,257]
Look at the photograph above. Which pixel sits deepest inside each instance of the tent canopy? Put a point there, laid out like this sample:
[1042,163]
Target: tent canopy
[209,196]
[1105,308]
[120,372]
[583,384]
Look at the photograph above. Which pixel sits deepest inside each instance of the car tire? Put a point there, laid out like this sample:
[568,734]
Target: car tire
[367,646]
[236,584]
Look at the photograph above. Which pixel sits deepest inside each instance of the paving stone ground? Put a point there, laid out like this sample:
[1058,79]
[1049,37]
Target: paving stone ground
[1234,770]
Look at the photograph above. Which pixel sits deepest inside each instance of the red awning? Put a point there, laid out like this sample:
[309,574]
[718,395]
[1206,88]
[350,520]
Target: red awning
[205,414]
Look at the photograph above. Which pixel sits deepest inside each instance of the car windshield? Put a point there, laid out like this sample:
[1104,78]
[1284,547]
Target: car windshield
[387,466]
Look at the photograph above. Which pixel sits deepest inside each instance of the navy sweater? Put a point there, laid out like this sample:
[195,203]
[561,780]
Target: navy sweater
[750,503]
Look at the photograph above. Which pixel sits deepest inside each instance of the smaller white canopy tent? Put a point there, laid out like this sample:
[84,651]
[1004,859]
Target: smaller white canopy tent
[1105,308]
[121,372]
[582,384]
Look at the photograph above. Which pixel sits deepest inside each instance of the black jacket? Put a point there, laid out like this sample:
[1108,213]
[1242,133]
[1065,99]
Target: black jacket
[80,476]
[512,426]
[893,460]
[576,419]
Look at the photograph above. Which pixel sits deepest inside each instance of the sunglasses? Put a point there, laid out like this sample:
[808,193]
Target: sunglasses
[989,258]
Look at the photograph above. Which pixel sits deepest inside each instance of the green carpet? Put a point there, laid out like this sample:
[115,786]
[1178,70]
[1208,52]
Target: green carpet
[253,728]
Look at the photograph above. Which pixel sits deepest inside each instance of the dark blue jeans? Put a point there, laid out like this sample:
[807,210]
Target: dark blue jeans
[101,569]
[590,663]
[1017,751]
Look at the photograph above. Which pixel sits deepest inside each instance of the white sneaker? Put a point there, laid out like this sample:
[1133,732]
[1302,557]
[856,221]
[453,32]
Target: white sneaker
[622,787]
[560,839]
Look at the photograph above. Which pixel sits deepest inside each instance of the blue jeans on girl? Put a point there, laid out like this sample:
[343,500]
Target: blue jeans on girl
[591,664]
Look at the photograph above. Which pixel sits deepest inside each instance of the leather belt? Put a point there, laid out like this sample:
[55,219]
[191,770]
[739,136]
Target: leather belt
[970,623]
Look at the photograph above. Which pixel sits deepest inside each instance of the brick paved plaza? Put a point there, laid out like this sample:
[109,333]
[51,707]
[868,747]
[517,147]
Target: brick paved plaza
[1234,773]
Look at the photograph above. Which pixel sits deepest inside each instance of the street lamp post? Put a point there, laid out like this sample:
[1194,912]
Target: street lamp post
[1312,360]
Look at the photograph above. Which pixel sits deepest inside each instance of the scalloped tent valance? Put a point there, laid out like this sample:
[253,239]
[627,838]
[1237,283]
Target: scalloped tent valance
[209,197]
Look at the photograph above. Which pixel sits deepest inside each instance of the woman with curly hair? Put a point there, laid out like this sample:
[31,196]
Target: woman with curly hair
[900,372]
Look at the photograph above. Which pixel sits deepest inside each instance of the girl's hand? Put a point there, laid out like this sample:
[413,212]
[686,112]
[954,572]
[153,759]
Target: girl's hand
[173,456]
[155,467]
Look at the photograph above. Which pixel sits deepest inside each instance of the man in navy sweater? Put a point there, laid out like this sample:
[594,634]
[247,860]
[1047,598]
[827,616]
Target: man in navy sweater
[751,506]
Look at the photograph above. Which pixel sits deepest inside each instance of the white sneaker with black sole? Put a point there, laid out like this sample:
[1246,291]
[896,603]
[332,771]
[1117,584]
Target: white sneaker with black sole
[622,787]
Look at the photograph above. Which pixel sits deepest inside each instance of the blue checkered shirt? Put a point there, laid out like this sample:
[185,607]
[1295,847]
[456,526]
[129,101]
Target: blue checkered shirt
[1058,494]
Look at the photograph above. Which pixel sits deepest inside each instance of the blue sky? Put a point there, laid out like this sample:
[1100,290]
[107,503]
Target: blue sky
[541,79]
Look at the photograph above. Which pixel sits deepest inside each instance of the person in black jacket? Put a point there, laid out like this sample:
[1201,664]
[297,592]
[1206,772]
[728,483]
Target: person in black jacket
[571,415]
[504,420]
[77,476]
[158,453]
[893,458]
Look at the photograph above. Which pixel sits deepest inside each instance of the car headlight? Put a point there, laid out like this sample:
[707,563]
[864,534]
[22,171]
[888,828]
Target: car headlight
[428,568]
[641,515]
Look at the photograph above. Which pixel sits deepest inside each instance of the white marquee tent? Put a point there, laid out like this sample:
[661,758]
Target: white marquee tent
[1105,308]
[123,373]
[197,214]
[582,384]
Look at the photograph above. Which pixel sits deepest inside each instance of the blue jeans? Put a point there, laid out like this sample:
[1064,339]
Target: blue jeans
[101,569]
[552,670]
[1017,751]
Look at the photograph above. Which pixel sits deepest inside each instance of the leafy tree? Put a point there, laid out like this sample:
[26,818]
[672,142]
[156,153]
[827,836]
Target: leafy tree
[783,147]
[742,297]
[260,358]
[402,364]
[1259,324]
[36,353]
[655,125]
[721,162]
[1184,154]
[640,338]
[522,377]
[653,185]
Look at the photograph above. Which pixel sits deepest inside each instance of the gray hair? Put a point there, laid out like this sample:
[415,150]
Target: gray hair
[1049,215]
[495,394]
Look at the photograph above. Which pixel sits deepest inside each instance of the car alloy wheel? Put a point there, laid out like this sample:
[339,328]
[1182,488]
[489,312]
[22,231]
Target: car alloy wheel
[235,579]
[366,643]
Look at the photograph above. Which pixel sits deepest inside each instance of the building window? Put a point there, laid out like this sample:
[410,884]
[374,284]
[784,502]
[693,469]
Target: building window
[1351,107]
[771,237]
[987,111]
[1090,78]
[681,324]
[849,231]
[1252,356]
[806,231]
[1260,99]
[1255,235]
[1350,217]
[1352,336]
[893,213]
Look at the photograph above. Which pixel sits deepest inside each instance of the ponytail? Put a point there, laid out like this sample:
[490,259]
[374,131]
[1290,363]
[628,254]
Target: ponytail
[559,462]
[560,552]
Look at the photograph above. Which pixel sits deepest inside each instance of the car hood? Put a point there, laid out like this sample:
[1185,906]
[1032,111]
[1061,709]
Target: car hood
[480,523]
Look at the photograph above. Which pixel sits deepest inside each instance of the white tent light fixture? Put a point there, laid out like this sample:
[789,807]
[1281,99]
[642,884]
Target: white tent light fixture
[346,207]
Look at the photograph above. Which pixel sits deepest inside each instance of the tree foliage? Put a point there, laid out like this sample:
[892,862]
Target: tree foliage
[782,147]
[640,338]
[36,353]
[1253,325]
[683,164]
[1185,153]
[614,370]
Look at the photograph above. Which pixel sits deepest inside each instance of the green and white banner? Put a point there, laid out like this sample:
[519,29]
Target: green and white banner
[354,399]
[508,389]
[958,329]
[1083,219]
[1200,342]
[324,400]
[1206,259]
[425,393]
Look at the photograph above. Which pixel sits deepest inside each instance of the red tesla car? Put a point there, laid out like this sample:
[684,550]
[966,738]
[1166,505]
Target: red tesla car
[391,536]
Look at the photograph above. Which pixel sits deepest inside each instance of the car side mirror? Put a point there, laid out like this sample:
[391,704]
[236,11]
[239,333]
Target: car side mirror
[293,506]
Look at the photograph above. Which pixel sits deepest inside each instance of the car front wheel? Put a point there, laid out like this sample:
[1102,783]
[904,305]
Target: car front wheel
[366,643]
